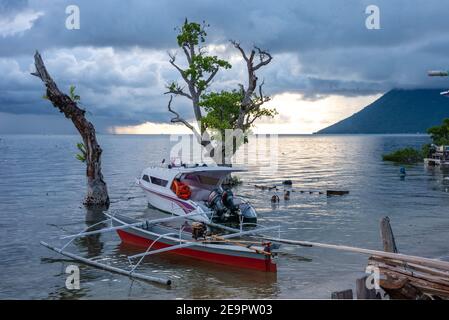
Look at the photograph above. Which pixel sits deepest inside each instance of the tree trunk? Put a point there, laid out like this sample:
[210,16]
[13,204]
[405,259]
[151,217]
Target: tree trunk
[97,192]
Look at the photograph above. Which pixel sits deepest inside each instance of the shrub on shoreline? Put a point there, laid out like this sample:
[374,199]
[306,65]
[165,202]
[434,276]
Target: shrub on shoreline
[406,155]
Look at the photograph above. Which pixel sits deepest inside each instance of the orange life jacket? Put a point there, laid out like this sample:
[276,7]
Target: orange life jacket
[181,189]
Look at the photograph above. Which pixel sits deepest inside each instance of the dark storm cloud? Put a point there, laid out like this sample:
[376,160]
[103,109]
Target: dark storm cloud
[119,64]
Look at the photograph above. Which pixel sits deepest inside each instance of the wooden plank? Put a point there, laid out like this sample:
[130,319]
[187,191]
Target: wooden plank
[413,266]
[342,295]
[336,193]
[415,275]
[421,286]
[362,292]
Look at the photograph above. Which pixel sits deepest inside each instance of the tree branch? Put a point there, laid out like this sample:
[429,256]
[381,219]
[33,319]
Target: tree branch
[178,91]
[261,91]
[238,47]
[182,72]
[178,118]
[211,76]
[250,101]
[264,57]
[186,52]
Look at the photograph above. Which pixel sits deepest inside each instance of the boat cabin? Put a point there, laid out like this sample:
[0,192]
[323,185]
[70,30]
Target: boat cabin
[187,182]
[439,153]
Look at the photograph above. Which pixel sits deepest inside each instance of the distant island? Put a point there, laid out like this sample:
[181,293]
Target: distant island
[397,111]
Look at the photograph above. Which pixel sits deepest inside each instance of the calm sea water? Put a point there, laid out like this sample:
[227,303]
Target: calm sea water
[42,187]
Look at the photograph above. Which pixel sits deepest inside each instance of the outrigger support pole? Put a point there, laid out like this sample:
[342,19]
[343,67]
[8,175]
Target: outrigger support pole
[95,264]
[129,225]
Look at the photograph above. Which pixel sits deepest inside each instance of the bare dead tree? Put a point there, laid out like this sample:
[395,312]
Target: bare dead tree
[97,193]
[251,102]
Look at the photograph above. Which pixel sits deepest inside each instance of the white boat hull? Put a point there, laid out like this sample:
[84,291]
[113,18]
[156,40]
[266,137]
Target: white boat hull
[201,183]
[171,204]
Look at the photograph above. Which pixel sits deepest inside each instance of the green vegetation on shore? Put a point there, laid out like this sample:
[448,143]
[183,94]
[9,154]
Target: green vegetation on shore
[439,136]
[406,156]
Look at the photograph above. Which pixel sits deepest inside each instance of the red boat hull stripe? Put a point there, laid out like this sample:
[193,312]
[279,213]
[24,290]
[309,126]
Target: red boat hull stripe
[236,261]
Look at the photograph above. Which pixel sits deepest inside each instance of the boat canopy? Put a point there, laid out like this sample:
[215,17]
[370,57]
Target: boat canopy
[198,176]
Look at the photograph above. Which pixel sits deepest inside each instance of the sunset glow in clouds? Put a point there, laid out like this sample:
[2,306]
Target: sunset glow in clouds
[296,116]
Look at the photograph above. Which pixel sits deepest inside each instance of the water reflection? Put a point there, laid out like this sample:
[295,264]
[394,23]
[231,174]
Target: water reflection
[438,178]
[89,246]
[92,244]
[201,276]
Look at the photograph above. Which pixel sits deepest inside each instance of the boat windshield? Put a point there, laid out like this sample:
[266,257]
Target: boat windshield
[201,184]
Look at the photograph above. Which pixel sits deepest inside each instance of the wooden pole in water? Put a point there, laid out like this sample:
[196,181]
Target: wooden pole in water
[386,233]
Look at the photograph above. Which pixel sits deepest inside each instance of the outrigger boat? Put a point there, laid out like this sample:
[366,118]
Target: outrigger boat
[181,189]
[192,240]
[188,239]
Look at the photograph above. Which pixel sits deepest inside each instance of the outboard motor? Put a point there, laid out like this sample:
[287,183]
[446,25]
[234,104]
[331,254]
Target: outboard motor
[225,208]
[228,201]
[214,202]
[248,212]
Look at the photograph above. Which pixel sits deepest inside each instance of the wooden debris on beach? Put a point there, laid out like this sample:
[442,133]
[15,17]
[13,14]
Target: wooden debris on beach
[336,193]
[288,186]
[258,186]
[408,280]
[402,280]
[342,295]
[364,293]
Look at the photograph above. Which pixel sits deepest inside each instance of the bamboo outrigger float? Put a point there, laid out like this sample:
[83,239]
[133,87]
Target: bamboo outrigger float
[106,267]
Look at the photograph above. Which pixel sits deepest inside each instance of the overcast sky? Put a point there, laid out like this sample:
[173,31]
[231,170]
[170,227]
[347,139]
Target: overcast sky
[326,65]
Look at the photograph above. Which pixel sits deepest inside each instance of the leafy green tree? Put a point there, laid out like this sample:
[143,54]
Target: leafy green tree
[216,112]
[440,134]
[223,110]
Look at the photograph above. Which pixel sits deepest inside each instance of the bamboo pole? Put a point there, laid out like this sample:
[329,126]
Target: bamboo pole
[398,256]
[95,264]
[130,225]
